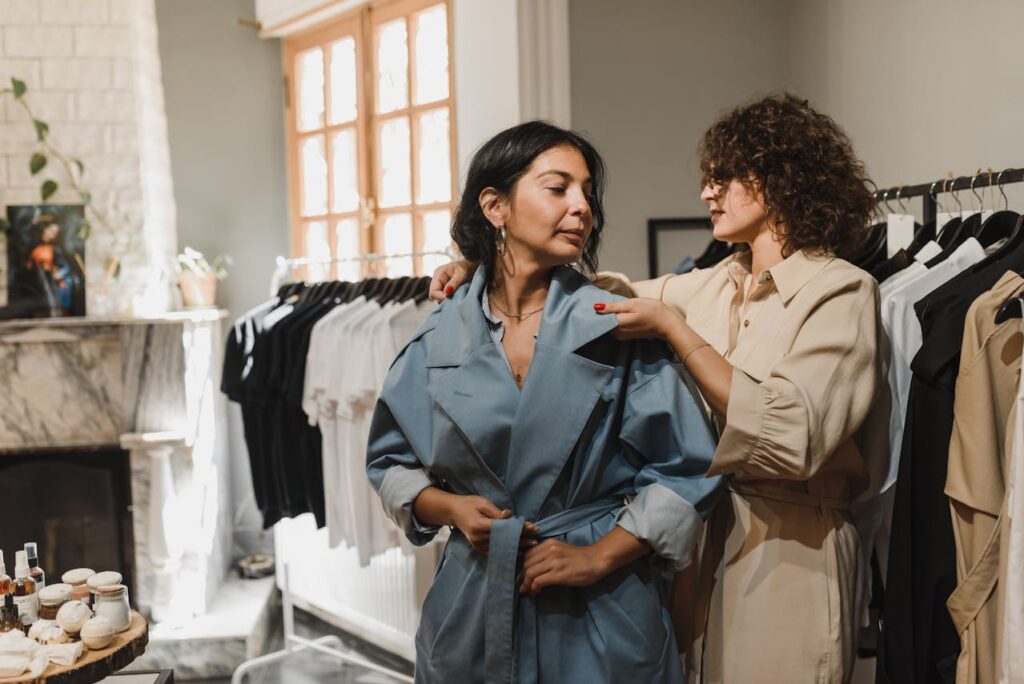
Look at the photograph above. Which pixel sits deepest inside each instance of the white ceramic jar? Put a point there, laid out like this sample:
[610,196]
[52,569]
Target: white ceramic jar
[112,603]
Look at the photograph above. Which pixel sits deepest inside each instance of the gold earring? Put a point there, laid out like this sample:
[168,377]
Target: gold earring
[501,240]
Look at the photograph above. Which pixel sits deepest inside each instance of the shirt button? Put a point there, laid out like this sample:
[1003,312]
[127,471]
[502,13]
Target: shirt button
[746,323]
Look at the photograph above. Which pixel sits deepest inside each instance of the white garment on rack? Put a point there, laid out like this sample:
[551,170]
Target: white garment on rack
[1012,627]
[350,351]
[904,329]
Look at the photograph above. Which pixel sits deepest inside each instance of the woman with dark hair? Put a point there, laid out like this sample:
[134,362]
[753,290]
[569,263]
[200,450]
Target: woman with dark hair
[784,342]
[569,465]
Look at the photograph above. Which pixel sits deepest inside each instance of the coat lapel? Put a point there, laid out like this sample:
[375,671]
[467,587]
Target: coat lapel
[463,344]
[561,391]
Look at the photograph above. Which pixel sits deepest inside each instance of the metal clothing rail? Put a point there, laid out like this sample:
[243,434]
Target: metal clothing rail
[329,644]
[285,264]
[295,644]
[930,191]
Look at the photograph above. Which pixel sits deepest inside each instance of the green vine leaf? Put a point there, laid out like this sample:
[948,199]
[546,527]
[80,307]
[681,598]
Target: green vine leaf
[37,163]
[79,165]
[42,129]
[84,231]
[49,187]
[19,87]
[4,225]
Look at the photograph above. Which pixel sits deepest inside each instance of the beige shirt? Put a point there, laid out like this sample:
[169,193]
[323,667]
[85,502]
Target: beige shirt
[777,588]
[805,411]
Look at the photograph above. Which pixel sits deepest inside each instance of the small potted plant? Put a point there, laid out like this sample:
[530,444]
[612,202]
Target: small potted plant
[197,277]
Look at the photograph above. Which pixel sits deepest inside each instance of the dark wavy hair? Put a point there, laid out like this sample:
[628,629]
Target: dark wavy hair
[805,165]
[500,163]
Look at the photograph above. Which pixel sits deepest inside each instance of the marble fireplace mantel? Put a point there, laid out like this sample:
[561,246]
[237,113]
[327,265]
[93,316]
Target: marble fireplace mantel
[149,386]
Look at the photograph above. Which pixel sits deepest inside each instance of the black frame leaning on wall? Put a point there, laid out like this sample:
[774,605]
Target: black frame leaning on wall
[660,225]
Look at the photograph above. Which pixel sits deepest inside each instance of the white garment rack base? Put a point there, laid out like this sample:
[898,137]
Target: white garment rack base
[294,644]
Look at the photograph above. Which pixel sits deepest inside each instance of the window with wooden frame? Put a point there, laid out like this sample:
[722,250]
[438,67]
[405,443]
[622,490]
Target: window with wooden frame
[371,144]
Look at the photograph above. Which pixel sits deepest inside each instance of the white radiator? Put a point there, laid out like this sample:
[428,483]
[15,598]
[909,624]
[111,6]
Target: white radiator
[379,603]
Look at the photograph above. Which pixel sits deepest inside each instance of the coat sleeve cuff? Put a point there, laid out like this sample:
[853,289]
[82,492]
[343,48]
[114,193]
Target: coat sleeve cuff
[742,433]
[665,520]
[398,491]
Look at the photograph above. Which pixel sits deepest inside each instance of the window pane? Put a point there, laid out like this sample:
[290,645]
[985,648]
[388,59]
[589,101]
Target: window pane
[317,249]
[347,231]
[432,55]
[314,176]
[434,158]
[344,171]
[392,67]
[398,240]
[343,81]
[436,238]
[311,89]
[395,178]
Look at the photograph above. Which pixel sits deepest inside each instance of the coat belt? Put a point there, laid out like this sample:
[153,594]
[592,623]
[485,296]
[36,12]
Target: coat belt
[500,587]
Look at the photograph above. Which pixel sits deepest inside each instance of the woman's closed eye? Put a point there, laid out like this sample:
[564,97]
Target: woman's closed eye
[558,190]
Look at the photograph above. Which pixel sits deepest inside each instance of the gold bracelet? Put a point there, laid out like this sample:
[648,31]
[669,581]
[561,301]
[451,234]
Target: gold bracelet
[697,348]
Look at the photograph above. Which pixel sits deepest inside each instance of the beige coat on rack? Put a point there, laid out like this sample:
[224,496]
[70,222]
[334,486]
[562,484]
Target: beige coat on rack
[986,390]
[775,594]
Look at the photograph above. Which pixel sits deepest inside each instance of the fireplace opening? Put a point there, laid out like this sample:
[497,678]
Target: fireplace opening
[75,503]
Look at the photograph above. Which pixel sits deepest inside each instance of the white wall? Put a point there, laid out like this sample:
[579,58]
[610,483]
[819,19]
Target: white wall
[225,112]
[922,86]
[486,57]
[94,76]
[647,79]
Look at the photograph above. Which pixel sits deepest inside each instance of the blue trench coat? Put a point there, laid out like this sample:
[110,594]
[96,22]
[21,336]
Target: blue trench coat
[604,433]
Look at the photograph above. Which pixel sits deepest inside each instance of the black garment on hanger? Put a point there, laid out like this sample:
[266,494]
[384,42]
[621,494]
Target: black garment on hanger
[920,643]
[893,265]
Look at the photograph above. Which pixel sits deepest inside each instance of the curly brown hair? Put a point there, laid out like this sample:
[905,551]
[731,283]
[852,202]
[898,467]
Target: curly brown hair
[817,189]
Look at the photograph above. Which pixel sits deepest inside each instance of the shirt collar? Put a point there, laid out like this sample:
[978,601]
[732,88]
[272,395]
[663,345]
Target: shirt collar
[788,276]
[485,304]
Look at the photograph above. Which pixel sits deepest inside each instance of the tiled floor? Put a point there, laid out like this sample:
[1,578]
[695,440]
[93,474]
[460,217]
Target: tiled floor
[309,667]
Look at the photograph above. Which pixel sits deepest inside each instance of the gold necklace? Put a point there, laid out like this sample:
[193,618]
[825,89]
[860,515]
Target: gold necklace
[520,316]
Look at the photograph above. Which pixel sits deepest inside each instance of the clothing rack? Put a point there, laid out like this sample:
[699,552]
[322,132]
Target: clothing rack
[329,644]
[295,644]
[285,264]
[930,191]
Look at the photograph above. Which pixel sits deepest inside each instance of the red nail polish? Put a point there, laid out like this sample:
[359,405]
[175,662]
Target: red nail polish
[448,290]
[599,307]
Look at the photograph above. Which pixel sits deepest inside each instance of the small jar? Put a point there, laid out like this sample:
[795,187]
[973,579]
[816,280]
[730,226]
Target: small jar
[112,603]
[102,579]
[79,581]
[51,598]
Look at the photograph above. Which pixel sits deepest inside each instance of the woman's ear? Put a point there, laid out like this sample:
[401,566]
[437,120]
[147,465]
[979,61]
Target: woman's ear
[492,204]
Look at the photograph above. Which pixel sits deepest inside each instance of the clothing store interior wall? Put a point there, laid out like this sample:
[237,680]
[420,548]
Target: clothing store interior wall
[925,90]
[646,78]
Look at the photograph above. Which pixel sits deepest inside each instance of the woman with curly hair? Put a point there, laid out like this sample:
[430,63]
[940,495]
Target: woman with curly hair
[785,344]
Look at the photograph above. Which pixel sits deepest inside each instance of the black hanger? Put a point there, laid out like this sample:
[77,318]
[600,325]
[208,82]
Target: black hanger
[408,289]
[873,248]
[1011,308]
[949,232]
[923,234]
[961,231]
[996,227]
[422,292]
[390,289]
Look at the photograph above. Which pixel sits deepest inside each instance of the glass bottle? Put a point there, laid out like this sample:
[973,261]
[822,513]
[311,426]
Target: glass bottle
[9,615]
[6,586]
[25,596]
[33,563]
